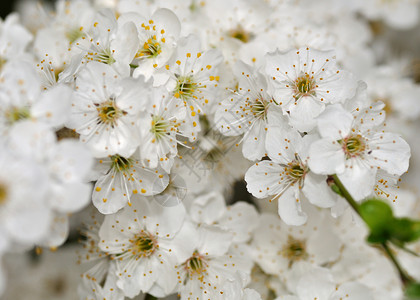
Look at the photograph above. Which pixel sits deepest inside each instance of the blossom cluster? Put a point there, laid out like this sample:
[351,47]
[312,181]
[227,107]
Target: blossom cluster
[152,110]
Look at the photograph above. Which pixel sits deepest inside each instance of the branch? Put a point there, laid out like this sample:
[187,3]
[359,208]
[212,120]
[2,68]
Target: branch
[150,297]
[405,279]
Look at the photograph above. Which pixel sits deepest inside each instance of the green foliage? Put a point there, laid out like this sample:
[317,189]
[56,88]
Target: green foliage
[405,230]
[412,291]
[336,189]
[378,216]
[384,226]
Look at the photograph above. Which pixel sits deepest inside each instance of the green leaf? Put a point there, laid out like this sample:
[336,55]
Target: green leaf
[416,229]
[412,291]
[384,226]
[378,216]
[150,297]
[405,230]
[336,189]
[378,238]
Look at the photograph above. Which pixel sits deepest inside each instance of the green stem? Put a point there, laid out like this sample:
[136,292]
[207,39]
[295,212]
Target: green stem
[405,279]
[401,246]
[150,297]
[346,194]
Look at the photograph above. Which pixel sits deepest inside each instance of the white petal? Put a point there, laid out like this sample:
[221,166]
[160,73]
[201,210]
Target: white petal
[352,291]
[92,78]
[229,118]
[317,284]
[165,19]
[326,157]
[323,244]
[135,95]
[208,208]
[70,197]
[251,294]
[109,196]
[339,208]
[254,142]
[275,116]
[58,233]
[13,83]
[338,87]
[282,145]
[166,221]
[33,140]
[287,297]
[185,242]
[53,107]
[241,219]
[359,180]
[335,122]
[263,179]
[317,191]
[31,225]
[390,152]
[289,207]
[213,240]
[126,43]
[71,161]
[142,278]
[404,15]
[304,112]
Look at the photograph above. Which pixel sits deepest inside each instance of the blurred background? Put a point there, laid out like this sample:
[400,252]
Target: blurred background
[6,8]
[53,275]
[48,275]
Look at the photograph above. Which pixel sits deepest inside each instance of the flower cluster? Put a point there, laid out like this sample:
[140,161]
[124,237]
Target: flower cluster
[153,110]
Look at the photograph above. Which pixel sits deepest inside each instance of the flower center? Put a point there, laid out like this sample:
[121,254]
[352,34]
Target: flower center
[214,155]
[3,61]
[66,133]
[108,113]
[388,105]
[104,56]
[353,146]
[74,34]
[151,48]
[56,72]
[120,163]
[144,245]
[295,170]
[186,87]
[294,250]
[196,264]
[304,86]
[17,113]
[174,193]
[239,33]
[259,108]
[194,6]
[3,193]
[159,127]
